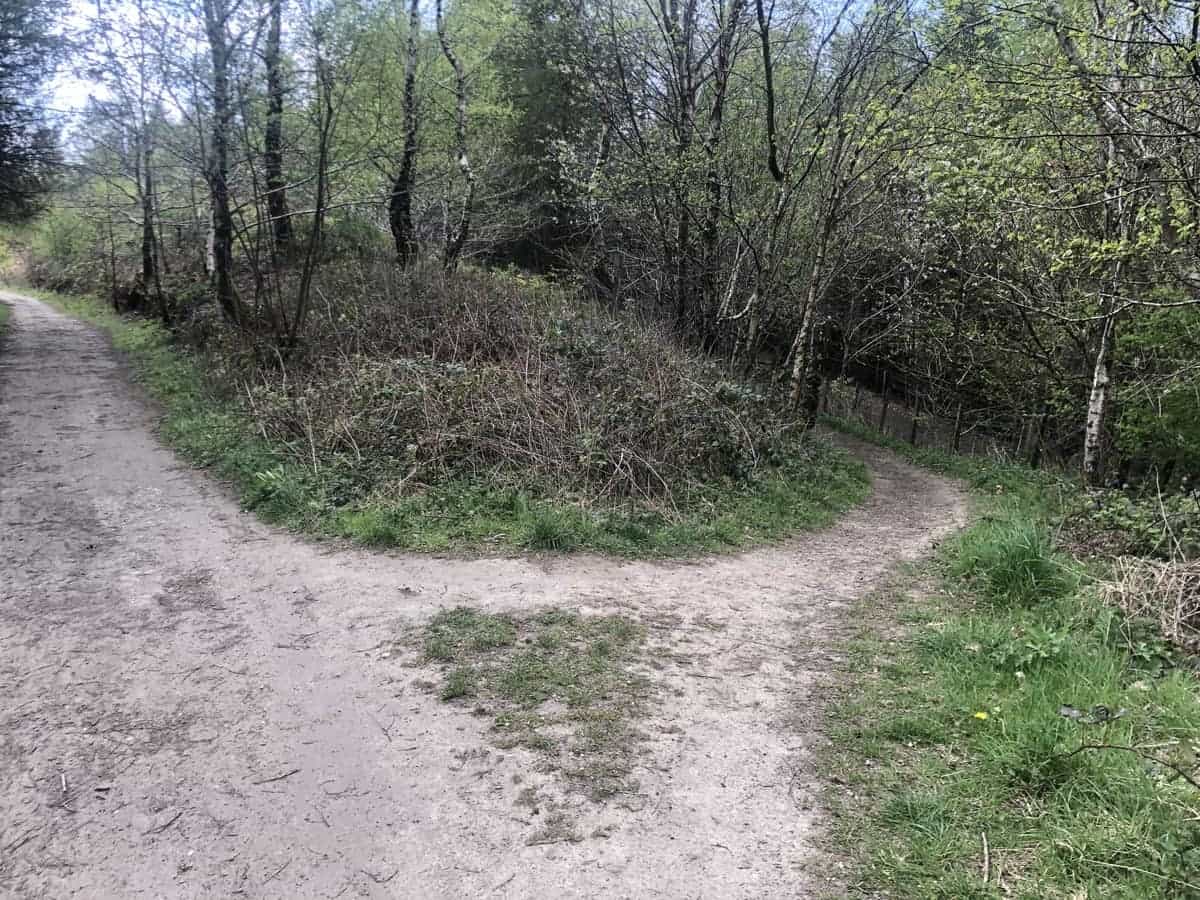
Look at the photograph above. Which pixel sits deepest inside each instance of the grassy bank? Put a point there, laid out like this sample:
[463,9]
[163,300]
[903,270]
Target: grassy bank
[319,491]
[1006,734]
[5,313]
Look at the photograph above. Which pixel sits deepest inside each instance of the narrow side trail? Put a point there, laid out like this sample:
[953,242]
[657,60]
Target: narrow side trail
[193,704]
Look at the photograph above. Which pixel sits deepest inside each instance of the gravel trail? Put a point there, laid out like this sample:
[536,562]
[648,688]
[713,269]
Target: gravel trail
[194,704]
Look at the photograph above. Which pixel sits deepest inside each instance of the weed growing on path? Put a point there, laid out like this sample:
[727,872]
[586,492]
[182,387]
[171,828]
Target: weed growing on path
[558,682]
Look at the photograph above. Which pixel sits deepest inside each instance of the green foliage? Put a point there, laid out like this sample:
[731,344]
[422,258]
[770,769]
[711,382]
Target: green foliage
[31,43]
[967,729]
[1116,522]
[1160,400]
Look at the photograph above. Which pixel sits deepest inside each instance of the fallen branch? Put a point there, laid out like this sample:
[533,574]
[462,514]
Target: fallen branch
[287,774]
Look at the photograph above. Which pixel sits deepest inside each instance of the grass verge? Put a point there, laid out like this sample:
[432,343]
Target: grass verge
[286,484]
[1018,738]
[558,682]
[5,313]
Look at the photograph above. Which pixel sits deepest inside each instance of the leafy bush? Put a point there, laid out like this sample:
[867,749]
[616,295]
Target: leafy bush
[1118,522]
[1028,647]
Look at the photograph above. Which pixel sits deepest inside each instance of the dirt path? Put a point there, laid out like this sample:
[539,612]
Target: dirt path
[163,657]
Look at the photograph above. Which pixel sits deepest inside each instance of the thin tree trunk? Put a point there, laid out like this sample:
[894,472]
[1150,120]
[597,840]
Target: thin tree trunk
[724,61]
[150,274]
[884,409]
[456,241]
[277,207]
[112,250]
[144,185]
[1035,454]
[1093,440]
[312,255]
[765,269]
[400,203]
[216,14]
[803,362]
[684,89]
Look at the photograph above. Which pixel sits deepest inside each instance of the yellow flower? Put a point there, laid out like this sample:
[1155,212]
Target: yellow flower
[981,715]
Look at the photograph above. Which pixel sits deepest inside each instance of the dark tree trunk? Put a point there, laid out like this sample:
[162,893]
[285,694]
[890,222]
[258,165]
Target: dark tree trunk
[277,208]
[400,203]
[216,14]
[151,281]
[721,67]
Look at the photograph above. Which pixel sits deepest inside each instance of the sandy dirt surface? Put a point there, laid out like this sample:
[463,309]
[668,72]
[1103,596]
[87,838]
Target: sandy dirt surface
[193,704]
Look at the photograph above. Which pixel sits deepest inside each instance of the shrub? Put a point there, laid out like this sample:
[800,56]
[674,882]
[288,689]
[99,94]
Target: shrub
[1115,522]
[428,379]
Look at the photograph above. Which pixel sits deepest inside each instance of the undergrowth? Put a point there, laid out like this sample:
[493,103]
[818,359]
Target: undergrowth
[1020,738]
[389,491]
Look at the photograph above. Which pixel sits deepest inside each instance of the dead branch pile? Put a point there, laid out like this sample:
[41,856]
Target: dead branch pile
[1165,592]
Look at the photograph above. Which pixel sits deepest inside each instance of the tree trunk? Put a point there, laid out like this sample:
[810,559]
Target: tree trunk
[456,241]
[884,409]
[312,256]
[1093,439]
[1035,454]
[277,208]
[150,274]
[216,14]
[683,90]
[803,363]
[724,61]
[400,203]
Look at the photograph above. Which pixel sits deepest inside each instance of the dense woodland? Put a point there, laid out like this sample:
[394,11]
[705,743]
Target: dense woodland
[986,213]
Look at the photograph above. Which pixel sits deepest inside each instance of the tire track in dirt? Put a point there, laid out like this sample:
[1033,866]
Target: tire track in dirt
[197,705]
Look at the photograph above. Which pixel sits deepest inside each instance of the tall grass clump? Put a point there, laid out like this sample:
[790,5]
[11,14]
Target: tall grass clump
[1012,560]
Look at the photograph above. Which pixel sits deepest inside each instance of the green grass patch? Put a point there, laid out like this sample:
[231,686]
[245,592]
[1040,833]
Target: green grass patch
[334,496]
[558,682]
[1012,560]
[5,315]
[1018,709]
